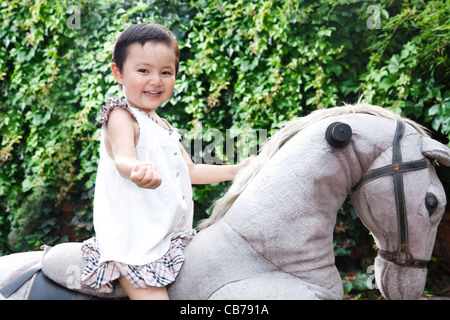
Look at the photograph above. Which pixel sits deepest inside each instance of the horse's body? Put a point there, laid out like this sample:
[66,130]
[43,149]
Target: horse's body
[271,235]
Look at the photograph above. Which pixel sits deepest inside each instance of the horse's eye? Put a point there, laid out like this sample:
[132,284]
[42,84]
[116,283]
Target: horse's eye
[431,203]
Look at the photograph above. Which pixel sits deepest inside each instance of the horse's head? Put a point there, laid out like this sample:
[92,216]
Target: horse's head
[401,201]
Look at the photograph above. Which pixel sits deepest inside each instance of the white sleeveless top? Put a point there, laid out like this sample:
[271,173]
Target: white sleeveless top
[134,225]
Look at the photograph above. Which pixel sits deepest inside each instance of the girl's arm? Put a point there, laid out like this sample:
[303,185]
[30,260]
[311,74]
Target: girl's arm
[207,174]
[122,134]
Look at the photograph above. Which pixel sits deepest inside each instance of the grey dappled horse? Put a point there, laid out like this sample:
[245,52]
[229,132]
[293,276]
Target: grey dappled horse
[271,235]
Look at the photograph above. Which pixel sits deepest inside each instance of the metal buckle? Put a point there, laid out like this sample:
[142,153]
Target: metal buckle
[403,257]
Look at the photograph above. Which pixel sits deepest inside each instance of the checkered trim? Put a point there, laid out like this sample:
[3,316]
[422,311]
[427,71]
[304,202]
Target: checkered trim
[158,273]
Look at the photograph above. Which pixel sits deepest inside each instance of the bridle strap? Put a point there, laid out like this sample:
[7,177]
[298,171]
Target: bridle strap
[390,170]
[399,190]
[402,256]
[402,259]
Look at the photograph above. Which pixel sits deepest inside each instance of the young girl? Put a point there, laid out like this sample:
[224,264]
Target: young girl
[143,207]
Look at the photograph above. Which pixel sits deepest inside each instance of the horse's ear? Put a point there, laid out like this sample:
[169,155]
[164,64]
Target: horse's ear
[436,150]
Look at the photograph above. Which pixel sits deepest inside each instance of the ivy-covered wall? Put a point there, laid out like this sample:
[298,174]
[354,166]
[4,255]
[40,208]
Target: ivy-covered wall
[246,66]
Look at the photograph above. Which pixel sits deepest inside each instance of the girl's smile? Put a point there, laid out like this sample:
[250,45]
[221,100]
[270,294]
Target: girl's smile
[153,94]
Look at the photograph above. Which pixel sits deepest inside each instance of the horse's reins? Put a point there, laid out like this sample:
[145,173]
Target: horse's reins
[402,256]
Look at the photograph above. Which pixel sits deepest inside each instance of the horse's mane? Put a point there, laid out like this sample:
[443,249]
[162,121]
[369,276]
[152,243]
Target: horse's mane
[273,144]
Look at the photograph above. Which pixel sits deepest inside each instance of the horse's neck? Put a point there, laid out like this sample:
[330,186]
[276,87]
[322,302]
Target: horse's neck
[288,212]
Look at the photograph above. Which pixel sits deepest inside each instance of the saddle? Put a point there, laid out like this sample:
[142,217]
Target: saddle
[58,277]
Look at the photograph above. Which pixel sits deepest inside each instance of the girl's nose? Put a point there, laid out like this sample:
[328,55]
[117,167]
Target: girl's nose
[155,79]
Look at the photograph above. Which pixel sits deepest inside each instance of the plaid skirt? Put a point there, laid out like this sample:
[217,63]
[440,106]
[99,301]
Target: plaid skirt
[158,273]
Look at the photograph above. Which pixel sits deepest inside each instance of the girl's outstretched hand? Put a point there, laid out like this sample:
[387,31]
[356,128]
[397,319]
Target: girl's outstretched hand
[245,163]
[146,175]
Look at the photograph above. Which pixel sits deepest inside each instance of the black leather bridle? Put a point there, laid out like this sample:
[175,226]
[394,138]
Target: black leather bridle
[402,256]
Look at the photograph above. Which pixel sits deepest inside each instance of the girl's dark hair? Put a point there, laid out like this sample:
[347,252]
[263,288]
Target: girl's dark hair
[142,33]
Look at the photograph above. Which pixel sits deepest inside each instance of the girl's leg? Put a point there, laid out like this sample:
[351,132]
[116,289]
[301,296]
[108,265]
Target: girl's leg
[151,293]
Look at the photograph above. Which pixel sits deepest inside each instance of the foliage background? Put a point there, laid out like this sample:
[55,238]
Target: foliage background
[246,65]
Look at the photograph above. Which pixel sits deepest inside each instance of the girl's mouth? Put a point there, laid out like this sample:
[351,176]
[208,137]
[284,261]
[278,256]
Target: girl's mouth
[152,93]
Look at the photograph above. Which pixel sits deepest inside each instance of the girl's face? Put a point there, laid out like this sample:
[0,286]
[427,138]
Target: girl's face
[148,75]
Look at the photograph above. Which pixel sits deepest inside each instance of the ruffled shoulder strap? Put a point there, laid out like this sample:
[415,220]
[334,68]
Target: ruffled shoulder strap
[112,104]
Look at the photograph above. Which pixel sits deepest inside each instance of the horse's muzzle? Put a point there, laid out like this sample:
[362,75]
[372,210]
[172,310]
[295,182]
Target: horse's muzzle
[399,282]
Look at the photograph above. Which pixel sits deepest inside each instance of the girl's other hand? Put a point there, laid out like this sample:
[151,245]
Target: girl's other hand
[146,175]
[245,163]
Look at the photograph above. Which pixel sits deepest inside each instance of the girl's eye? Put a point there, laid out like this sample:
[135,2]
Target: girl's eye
[143,71]
[166,73]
